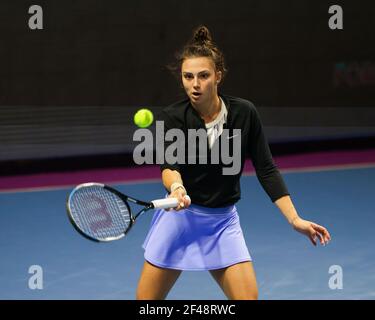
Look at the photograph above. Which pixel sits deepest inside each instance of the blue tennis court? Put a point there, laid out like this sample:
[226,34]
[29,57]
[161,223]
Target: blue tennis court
[35,231]
[299,78]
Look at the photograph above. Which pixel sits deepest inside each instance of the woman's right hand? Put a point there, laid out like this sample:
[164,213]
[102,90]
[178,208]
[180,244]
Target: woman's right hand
[179,194]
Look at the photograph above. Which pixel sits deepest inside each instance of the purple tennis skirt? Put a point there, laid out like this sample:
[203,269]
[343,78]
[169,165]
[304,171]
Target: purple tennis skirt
[197,238]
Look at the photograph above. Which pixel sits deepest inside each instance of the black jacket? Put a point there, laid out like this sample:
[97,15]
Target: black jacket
[205,183]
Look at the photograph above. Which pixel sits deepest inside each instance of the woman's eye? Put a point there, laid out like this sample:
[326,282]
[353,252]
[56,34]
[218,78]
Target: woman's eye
[205,75]
[188,76]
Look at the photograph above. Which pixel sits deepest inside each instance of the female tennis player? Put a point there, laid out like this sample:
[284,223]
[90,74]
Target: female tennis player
[206,234]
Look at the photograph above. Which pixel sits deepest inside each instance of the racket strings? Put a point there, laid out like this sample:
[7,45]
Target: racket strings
[99,213]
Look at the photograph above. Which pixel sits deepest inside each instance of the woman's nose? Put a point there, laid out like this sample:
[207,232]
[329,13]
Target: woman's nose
[196,82]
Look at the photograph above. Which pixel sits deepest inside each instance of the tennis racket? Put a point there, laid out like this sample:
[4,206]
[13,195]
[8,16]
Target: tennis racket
[101,213]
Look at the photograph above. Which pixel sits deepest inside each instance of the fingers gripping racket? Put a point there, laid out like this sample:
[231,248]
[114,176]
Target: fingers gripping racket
[101,213]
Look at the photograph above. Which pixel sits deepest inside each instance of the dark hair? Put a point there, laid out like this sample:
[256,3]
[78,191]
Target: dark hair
[200,45]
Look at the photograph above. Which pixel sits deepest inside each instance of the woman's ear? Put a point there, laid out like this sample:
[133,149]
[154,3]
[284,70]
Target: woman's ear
[218,77]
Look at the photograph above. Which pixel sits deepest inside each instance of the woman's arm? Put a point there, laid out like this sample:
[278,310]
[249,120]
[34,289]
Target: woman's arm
[273,183]
[173,183]
[286,206]
[308,228]
[169,177]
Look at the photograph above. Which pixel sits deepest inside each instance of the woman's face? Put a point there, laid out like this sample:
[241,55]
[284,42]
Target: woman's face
[200,79]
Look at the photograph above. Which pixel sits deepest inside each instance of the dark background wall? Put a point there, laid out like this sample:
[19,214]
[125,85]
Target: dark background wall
[307,81]
[96,52]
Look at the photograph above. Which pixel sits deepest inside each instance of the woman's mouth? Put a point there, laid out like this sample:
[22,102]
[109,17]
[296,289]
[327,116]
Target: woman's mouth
[196,94]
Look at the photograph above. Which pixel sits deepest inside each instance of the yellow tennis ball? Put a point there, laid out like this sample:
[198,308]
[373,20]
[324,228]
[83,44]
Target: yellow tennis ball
[143,118]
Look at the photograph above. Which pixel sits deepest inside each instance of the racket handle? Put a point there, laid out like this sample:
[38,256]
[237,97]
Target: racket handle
[166,203]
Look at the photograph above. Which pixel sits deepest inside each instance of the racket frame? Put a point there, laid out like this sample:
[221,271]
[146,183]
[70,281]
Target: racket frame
[123,197]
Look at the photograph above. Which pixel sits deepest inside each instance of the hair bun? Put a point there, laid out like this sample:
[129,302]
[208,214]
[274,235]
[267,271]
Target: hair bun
[202,35]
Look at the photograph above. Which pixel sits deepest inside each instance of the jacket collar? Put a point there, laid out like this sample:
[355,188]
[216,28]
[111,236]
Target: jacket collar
[198,122]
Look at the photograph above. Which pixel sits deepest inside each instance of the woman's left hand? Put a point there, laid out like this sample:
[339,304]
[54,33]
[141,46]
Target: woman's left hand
[312,231]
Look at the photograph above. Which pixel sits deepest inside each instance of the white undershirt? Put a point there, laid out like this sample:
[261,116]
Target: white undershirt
[215,128]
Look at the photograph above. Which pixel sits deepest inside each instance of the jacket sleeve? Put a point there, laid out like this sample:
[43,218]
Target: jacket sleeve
[261,157]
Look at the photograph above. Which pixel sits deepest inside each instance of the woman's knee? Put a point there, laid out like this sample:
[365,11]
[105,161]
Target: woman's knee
[250,293]
[142,294]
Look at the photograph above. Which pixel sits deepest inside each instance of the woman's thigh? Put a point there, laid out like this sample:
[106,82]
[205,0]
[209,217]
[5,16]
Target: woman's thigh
[237,281]
[155,282]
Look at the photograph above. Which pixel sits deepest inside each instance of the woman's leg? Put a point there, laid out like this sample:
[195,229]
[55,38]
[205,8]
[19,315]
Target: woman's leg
[155,282]
[238,281]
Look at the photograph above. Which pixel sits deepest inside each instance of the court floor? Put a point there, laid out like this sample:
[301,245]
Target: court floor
[34,230]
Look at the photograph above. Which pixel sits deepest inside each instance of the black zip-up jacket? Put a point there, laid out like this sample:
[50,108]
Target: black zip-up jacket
[205,183]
